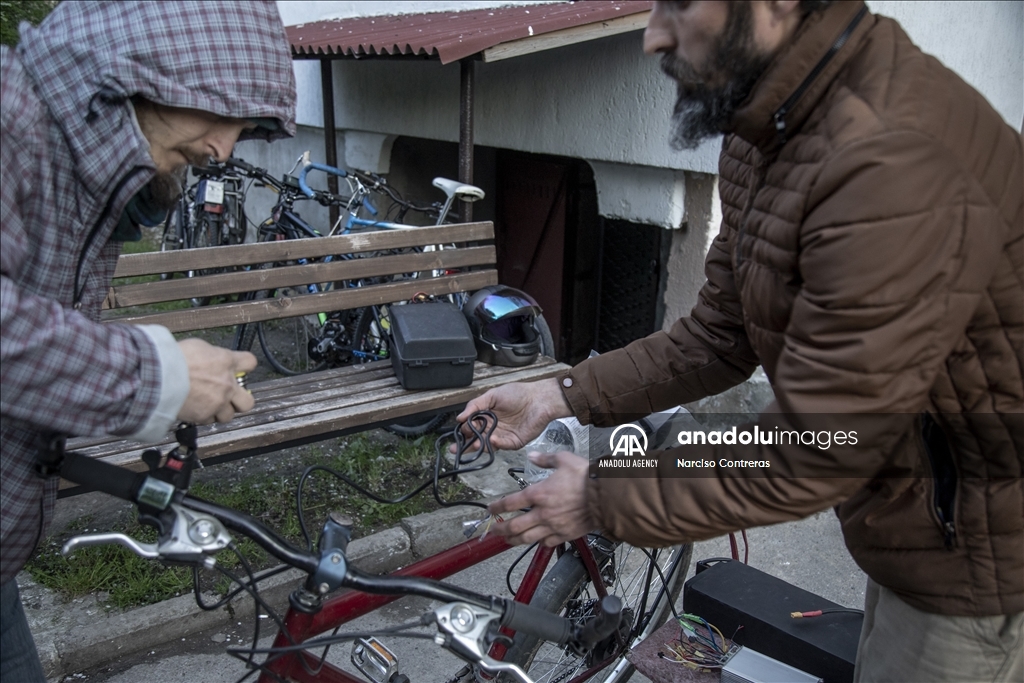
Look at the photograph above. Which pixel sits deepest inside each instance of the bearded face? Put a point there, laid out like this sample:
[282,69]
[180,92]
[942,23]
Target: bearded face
[166,187]
[709,94]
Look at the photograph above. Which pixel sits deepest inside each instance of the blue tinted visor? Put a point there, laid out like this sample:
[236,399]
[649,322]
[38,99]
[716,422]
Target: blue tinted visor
[506,302]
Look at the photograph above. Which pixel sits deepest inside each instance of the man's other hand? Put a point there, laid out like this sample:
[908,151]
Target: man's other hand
[523,410]
[559,503]
[214,394]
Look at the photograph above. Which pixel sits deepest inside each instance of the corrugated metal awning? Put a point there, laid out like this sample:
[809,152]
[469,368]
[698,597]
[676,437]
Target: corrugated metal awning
[495,33]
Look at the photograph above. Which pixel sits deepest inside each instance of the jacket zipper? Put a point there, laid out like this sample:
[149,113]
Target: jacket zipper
[79,289]
[944,478]
[780,113]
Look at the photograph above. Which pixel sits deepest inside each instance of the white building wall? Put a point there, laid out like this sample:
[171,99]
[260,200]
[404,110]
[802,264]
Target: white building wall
[983,41]
[605,102]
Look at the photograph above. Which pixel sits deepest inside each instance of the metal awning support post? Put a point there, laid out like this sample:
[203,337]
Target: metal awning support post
[466,131]
[330,133]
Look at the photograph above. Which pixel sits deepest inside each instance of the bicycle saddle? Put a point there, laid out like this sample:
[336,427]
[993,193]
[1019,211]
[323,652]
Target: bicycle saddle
[453,188]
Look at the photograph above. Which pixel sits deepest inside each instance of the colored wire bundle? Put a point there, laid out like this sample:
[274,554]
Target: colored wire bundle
[701,646]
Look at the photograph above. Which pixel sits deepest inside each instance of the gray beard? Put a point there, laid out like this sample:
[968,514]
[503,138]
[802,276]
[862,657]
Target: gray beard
[701,111]
[704,113]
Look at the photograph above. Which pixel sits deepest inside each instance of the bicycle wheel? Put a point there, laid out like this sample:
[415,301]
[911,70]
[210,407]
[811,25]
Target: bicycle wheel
[203,232]
[285,342]
[173,237]
[566,589]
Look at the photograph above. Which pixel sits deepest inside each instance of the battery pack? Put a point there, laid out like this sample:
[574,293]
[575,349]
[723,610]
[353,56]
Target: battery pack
[756,607]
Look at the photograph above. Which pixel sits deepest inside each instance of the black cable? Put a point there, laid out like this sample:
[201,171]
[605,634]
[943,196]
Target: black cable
[359,489]
[252,582]
[511,568]
[260,602]
[664,582]
[481,424]
[251,590]
[821,612]
[483,436]
[230,596]
[278,652]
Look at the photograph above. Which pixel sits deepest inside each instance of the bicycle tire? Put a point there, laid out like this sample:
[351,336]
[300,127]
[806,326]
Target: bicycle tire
[285,342]
[245,333]
[204,232]
[566,589]
[173,238]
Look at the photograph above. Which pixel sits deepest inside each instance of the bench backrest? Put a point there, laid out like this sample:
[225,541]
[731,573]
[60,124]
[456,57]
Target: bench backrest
[472,262]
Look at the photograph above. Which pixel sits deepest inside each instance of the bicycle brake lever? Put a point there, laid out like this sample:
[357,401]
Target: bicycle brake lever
[146,550]
[193,538]
[463,628]
[493,666]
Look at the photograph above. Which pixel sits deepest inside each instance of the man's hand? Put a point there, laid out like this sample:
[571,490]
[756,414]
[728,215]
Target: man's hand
[523,410]
[214,395]
[559,503]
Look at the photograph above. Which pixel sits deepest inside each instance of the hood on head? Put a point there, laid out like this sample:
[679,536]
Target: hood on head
[227,57]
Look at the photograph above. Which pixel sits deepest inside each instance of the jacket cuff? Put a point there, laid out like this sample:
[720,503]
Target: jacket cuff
[570,386]
[174,385]
[593,501]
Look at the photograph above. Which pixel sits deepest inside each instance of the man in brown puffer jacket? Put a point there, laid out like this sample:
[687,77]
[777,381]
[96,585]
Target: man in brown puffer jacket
[871,259]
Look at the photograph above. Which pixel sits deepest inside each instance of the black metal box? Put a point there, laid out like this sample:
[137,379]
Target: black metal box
[732,595]
[431,346]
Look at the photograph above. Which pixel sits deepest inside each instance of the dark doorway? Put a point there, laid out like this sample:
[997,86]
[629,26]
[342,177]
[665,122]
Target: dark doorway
[547,234]
[600,281]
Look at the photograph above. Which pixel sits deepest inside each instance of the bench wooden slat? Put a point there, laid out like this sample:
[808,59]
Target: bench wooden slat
[275,398]
[237,313]
[345,379]
[220,284]
[133,265]
[376,404]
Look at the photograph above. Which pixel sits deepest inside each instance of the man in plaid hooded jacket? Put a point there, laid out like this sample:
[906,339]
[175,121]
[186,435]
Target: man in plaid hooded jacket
[103,106]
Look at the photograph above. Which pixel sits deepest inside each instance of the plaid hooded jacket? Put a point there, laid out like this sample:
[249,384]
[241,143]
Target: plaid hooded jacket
[72,157]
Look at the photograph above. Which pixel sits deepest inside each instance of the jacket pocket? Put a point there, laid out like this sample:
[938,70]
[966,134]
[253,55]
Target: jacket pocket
[944,478]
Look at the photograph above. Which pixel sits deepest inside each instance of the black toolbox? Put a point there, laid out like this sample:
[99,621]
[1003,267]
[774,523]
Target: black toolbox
[431,346]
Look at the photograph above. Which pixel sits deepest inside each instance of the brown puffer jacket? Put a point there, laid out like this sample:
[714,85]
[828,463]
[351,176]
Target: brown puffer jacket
[871,258]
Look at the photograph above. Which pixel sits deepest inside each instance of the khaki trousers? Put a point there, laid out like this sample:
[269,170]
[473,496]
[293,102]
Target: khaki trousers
[902,644]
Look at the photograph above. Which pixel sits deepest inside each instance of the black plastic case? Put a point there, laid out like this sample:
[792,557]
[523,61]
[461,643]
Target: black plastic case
[431,346]
[732,595]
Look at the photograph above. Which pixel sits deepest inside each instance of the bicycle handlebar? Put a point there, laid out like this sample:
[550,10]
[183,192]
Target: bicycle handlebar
[264,537]
[255,172]
[162,492]
[306,189]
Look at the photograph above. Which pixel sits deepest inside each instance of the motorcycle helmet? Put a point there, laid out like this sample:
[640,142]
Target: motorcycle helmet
[502,320]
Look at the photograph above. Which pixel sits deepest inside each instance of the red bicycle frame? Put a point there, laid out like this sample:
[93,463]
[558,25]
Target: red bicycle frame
[351,604]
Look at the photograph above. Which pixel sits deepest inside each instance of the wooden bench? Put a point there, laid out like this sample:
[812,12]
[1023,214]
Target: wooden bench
[292,411]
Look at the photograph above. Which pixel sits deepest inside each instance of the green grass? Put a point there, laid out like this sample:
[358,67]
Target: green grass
[389,467]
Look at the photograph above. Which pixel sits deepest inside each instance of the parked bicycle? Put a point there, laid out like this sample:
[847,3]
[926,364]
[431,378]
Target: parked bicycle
[286,343]
[333,339]
[574,615]
[209,213]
